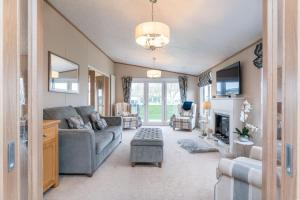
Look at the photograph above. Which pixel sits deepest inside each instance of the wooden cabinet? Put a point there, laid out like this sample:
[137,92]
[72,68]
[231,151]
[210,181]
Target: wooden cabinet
[50,154]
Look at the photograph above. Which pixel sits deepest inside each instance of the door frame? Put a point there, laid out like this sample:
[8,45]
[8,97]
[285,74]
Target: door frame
[164,82]
[9,101]
[289,11]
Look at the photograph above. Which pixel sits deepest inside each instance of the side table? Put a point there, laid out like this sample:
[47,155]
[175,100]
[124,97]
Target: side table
[245,146]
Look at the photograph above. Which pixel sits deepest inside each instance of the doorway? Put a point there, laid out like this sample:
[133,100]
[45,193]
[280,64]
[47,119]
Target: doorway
[155,100]
[99,92]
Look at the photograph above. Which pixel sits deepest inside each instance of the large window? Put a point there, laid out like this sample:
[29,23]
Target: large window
[173,99]
[205,95]
[155,100]
[137,99]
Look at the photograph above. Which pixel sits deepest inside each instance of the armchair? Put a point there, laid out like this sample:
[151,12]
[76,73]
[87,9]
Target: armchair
[240,178]
[130,120]
[186,119]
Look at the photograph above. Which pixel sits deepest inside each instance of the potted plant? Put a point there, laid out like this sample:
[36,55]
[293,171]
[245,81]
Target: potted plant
[244,133]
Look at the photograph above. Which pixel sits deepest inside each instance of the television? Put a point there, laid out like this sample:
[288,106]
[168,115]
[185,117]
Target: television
[229,80]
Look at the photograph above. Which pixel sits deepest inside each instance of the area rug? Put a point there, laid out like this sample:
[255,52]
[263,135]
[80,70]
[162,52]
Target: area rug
[196,145]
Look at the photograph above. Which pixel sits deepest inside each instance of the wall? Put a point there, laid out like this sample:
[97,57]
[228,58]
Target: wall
[251,84]
[61,38]
[140,72]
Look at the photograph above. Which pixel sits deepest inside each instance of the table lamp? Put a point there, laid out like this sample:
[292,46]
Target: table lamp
[206,106]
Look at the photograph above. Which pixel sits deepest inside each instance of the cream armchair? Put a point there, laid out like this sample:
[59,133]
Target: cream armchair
[240,178]
[129,120]
[186,119]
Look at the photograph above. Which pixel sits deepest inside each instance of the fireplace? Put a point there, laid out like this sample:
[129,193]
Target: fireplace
[222,127]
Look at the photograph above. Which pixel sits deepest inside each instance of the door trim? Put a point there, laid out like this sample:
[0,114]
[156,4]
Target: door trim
[269,99]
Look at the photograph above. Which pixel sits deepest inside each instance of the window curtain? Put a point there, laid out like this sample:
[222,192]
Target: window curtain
[183,87]
[126,85]
[205,79]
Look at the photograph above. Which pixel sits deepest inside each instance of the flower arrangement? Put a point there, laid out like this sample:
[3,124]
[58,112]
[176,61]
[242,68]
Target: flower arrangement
[248,128]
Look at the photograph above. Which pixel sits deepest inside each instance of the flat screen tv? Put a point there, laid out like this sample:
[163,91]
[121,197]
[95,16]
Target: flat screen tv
[229,80]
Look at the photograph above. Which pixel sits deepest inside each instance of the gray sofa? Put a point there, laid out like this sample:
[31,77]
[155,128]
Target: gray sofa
[82,151]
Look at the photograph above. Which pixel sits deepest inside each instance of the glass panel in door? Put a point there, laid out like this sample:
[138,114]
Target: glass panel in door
[23,98]
[173,99]
[137,99]
[155,102]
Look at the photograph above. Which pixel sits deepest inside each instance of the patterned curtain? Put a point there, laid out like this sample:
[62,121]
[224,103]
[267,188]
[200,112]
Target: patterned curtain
[205,79]
[183,87]
[126,85]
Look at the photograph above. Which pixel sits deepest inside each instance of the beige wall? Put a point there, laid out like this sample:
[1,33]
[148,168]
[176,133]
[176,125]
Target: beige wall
[251,83]
[63,39]
[140,72]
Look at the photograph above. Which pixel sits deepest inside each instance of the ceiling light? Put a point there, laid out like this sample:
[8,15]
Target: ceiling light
[152,35]
[153,73]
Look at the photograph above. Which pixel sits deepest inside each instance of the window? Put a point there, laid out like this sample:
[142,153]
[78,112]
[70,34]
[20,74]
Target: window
[173,99]
[205,95]
[137,99]
[155,100]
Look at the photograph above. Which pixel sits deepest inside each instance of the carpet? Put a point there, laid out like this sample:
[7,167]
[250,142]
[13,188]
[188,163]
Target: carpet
[196,146]
[183,176]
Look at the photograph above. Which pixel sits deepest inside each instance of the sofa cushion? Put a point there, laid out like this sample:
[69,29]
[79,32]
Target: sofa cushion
[85,112]
[102,139]
[116,130]
[75,122]
[60,113]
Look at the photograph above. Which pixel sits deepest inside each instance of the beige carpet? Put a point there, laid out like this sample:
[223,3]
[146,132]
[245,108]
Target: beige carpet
[183,176]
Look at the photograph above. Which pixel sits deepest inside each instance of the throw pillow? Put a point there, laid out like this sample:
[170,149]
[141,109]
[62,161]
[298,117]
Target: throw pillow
[126,114]
[101,124]
[186,114]
[98,122]
[75,122]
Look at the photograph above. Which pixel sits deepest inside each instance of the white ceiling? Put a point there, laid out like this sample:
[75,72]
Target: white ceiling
[203,32]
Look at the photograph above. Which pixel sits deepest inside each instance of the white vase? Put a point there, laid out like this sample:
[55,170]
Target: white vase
[244,138]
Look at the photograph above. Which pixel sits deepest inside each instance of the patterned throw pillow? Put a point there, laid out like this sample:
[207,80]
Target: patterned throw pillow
[101,124]
[98,122]
[186,113]
[75,122]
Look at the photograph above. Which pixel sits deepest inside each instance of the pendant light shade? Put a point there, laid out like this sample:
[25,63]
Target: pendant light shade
[153,73]
[152,35]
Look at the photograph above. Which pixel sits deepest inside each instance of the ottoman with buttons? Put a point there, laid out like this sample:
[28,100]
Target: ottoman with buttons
[147,147]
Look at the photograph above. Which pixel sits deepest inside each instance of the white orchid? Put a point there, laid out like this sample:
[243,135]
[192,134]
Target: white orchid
[253,128]
[246,108]
[243,116]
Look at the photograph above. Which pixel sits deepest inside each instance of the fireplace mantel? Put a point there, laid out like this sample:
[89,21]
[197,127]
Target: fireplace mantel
[232,108]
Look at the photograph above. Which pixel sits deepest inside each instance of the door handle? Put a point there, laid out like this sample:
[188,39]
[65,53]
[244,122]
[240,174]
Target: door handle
[289,159]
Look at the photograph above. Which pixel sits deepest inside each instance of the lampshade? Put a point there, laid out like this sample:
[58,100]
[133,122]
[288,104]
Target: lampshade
[206,105]
[153,74]
[54,74]
[152,35]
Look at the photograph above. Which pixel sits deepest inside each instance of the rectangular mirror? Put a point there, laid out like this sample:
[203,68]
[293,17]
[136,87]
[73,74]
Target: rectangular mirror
[63,74]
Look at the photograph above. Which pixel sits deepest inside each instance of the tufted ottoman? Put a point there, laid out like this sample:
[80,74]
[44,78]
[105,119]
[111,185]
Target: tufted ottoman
[147,147]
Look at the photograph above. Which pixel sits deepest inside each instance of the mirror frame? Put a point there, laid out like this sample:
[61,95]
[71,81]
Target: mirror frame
[49,74]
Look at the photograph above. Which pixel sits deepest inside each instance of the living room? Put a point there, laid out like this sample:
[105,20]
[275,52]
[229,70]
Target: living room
[155,100]
[143,100]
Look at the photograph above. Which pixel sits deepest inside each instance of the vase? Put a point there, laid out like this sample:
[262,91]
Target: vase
[244,138]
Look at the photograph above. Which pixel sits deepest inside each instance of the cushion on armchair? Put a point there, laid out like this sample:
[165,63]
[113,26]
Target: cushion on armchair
[187,105]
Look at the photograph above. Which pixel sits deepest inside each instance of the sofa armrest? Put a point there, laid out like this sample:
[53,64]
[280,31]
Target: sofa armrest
[256,153]
[240,171]
[77,150]
[114,121]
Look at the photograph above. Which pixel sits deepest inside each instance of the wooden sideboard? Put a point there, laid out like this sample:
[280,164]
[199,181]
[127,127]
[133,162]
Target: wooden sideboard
[50,154]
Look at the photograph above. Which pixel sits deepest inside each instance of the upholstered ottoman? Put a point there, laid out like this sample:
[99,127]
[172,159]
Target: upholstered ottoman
[147,147]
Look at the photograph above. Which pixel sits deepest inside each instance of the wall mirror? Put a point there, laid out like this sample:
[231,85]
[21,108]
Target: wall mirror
[63,74]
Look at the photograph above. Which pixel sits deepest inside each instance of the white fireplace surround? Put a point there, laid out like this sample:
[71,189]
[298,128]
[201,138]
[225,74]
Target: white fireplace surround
[232,108]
